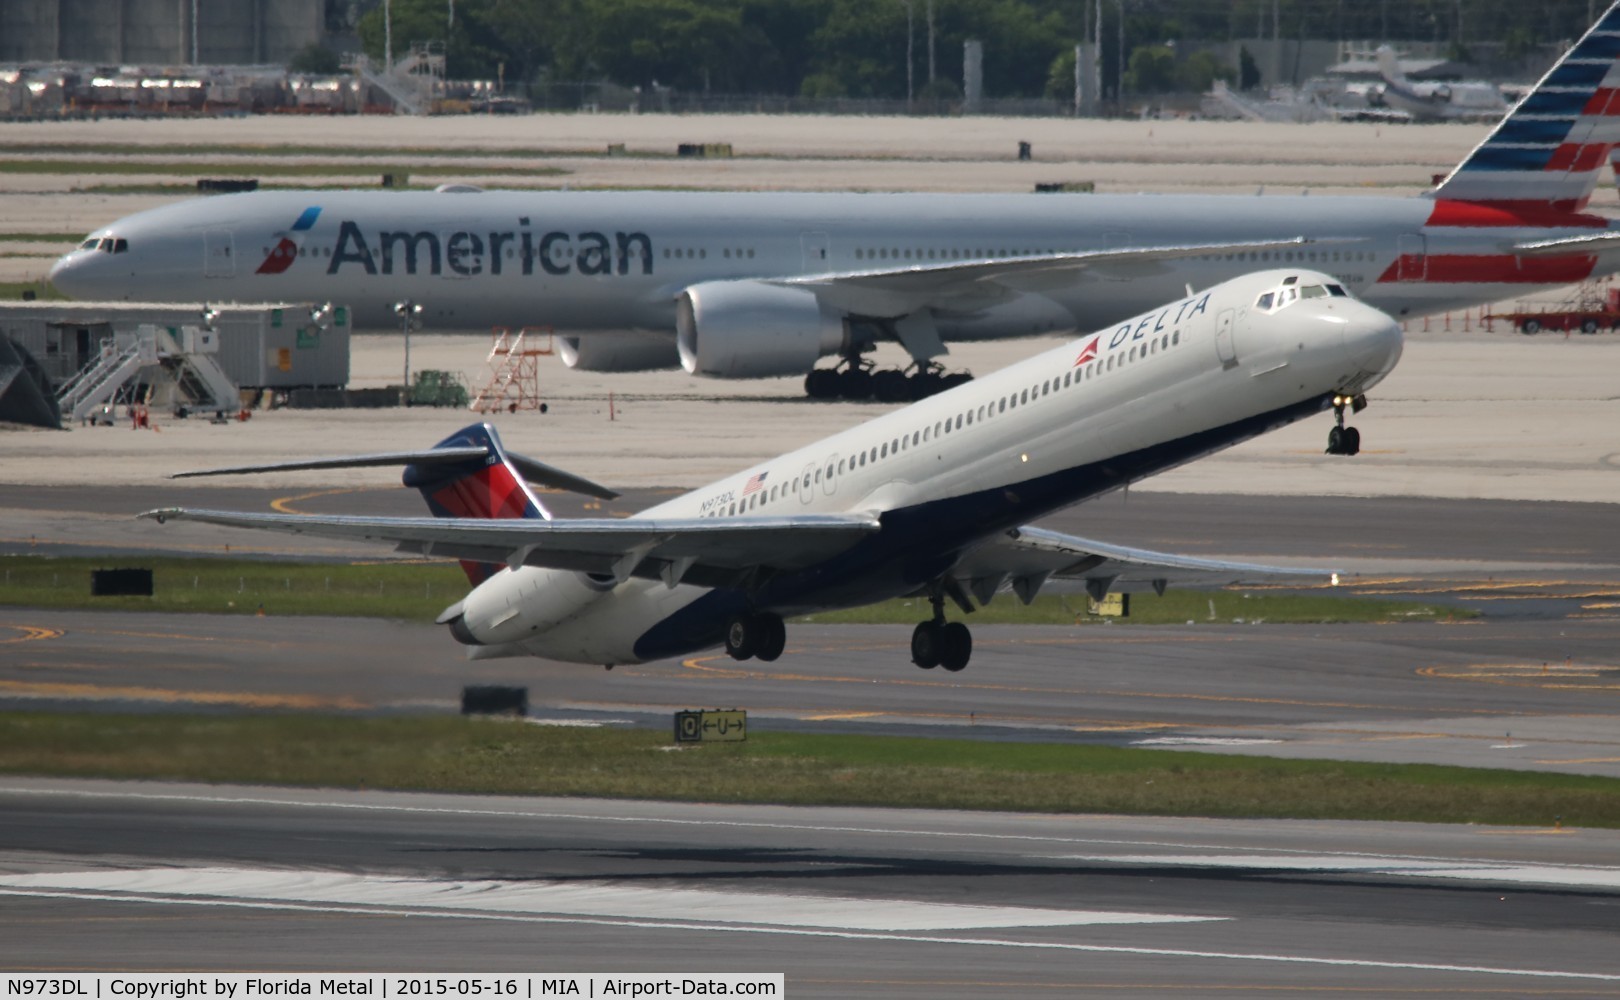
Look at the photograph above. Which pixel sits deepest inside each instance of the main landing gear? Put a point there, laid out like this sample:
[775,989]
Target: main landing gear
[938,643]
[1344,440]
[857,379]
[756,635]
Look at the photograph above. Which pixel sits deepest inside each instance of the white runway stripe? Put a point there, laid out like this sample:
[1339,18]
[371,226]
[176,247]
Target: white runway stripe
[1559,875]
[585,899]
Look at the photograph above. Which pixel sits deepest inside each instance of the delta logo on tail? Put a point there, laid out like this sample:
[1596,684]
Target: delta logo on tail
[286,251]
[1087,353]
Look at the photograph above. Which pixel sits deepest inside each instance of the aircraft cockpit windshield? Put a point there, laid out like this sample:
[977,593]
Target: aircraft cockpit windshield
[106,244]
[1291,292]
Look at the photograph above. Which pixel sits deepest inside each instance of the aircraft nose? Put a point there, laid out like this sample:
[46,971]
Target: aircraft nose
[1372,340]
[68,276]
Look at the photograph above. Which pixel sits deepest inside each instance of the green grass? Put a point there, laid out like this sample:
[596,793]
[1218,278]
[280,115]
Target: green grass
[412,591]
[204,168]
[40,237]
[419,591]
[12,291]
[506,757]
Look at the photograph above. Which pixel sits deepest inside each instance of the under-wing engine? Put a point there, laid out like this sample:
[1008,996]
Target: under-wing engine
[618,352]
[754,329]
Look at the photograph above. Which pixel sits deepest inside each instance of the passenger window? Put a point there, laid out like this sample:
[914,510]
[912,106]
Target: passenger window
[883,452]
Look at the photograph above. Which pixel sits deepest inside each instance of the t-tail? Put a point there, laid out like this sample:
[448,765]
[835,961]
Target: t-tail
[483,485]
[1547,154]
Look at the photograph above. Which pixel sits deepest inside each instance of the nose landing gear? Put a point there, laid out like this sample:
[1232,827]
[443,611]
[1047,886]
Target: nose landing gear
[1344,440]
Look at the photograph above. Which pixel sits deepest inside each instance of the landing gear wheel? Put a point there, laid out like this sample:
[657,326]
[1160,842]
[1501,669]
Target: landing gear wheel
[927,645]
[958,642]
[774,639]
[748,636]
[821,383]
[889,386]
[1351,442]
[1336,441]
[855,384]
[1344,440]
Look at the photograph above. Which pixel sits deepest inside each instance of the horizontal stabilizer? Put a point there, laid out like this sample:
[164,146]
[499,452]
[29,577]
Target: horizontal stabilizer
[532,470]
[1587,243]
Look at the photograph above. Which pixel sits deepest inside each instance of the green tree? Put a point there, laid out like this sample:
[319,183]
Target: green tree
[1199,71]
[1248,69]
[316,59]
[1151,70]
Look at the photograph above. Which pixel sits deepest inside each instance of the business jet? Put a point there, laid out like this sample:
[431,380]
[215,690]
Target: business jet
[763,284]
[1462,101]
[931,500]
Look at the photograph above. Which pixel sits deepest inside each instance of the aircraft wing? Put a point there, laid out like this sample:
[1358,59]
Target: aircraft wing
[895,291]
[1031,559]
[709,551]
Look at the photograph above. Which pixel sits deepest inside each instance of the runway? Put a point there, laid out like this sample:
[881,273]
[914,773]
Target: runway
[846,902]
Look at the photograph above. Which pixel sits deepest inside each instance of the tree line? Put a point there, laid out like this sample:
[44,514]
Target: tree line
[859,48]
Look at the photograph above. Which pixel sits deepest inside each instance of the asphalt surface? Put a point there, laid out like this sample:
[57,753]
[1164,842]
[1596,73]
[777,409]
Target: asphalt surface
[845,902]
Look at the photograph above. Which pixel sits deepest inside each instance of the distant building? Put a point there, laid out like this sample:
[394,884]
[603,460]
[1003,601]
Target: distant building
[159,32]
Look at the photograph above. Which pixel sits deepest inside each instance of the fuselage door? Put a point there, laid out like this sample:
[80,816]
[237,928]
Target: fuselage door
[219,254]
[1412,264]
[816,249]
[1225,347]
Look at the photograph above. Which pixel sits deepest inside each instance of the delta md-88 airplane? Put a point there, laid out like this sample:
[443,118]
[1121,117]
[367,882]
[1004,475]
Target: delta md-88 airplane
[740,285]
[932,500]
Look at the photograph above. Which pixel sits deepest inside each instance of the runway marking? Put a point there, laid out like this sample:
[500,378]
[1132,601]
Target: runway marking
[1067,946]
[99,692]
[1548,676]
[579,899]
[31,633]
[285,504]
[1493,872]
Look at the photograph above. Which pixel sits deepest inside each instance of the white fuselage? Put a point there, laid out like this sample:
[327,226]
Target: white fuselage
[943,474]
[583,262]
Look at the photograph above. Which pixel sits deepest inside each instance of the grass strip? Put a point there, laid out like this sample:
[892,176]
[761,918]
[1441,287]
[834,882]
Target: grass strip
[41,237]
[389,589]
[43,290]
[186,168]
[419,591]
[502,756]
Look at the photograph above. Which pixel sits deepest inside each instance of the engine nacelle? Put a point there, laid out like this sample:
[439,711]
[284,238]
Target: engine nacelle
[513,606]
[751,329]
[618,352]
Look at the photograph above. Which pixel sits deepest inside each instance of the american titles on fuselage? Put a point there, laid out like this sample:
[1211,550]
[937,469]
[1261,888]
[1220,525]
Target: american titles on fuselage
[467,253]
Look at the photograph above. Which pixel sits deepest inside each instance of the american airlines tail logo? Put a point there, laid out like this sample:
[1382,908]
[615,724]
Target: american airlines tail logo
[1087,353]
[286,251]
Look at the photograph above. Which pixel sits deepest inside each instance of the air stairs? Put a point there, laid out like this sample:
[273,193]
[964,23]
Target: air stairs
[411,83]
[514,372]
[183,357]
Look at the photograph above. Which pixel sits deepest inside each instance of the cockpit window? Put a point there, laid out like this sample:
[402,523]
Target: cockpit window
[120,246]
[1281,298]
[89,244]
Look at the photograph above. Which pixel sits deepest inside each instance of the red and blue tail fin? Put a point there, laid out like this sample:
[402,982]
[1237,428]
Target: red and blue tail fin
[477,486]
[1547,153]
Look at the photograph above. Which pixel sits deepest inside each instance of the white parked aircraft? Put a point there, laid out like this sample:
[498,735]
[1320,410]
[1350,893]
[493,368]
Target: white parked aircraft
[933,499]
[1461,101]
[740,285]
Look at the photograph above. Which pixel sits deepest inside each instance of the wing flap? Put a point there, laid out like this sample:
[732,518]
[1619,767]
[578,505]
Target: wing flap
[1032,559]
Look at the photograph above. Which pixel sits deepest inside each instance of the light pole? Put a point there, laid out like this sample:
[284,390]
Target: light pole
[407,311]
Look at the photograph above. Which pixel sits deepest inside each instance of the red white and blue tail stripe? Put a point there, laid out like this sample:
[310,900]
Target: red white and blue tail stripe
[1547,153]
[484,486]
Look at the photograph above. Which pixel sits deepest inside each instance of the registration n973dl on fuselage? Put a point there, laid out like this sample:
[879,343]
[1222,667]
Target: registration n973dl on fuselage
[933,500]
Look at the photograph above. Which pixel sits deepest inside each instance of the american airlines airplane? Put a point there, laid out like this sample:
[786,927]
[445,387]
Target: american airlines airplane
[931,500]
[1465,101]
[745,285]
